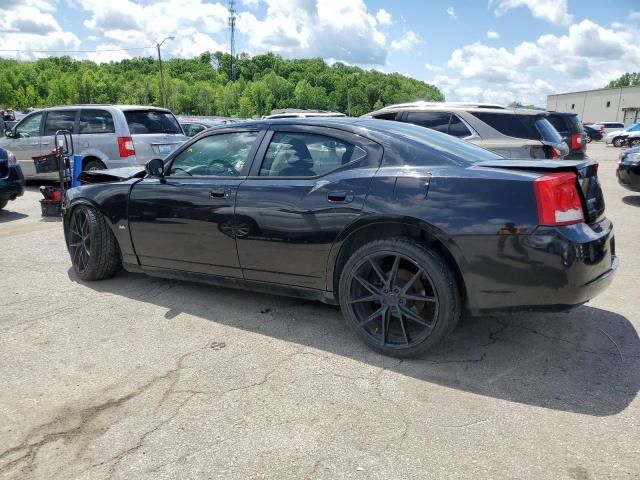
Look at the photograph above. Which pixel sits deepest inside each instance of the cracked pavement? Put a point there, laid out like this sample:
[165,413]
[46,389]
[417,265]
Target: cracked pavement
[143,378]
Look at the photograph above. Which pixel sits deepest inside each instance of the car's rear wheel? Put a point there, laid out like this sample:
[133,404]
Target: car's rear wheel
[91,244]
[93,165]
[618,142]
[589,139]
[399,297]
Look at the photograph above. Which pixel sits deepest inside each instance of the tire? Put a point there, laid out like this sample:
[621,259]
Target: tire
[93,248]
[3,203]
[405,314]
[589,139]
[618,142]
[92,165]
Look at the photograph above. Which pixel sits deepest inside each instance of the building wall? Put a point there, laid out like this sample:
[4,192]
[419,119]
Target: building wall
[591,106]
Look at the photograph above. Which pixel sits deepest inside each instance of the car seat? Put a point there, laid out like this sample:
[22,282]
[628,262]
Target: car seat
[300,162]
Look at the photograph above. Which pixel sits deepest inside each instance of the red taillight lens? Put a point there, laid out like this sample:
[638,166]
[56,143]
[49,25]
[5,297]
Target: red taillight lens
[558,199]
[125,146]
[556,154]
[576,141]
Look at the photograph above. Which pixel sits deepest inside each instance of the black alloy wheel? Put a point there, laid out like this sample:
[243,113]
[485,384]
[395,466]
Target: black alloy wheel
[400,300]
[80,240]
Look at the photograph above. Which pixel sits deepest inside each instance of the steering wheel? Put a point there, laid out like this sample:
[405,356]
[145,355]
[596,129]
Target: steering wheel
[175,169]
[224,166]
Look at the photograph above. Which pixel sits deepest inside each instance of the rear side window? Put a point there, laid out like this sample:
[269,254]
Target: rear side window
[557,122]
[151,121]
[457,128]
[386,116]
[61,120]
[96,121]
[529,127]
[438,121]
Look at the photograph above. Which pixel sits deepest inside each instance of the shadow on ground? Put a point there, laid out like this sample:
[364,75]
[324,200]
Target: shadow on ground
[633,200]
[6,215]
[586,361]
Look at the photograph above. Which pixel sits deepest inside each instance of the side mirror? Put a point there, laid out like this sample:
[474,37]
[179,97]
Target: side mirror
[8,133]
[155,168]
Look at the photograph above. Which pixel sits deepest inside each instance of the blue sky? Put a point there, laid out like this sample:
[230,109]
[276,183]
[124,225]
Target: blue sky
[481,50]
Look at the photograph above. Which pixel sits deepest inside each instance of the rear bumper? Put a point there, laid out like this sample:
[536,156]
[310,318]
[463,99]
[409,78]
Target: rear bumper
[552,269]
[12,186]
[629,176]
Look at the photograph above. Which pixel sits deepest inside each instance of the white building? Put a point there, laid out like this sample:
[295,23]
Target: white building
[603,105]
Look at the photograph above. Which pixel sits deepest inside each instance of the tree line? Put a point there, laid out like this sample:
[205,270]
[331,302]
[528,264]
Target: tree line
[626,80]
[201,85]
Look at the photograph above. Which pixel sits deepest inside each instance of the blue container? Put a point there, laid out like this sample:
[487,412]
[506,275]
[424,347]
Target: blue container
[77,168]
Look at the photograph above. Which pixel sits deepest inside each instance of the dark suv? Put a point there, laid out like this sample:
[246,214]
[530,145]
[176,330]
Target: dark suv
[511,133]
[572,132]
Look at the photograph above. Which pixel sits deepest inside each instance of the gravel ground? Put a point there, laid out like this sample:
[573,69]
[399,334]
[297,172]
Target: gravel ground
[142,378]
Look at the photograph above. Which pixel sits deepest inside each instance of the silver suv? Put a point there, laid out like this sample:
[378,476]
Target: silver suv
[107,136]
[508,132]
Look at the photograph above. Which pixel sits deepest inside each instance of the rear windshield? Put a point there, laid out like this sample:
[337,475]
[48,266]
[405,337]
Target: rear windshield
[530,127]
[151,121]
[447,145]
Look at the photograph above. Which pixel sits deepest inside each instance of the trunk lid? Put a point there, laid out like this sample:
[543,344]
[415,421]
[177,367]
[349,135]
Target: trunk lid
[586,171]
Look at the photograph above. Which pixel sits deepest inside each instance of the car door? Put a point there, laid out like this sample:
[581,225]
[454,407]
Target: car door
[25,143]
[185,220]
[54,121]
[307,184]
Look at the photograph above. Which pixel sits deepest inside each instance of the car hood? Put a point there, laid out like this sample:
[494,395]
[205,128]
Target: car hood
[112,175]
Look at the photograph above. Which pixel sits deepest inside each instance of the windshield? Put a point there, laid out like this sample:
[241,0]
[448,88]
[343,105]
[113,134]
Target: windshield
[446,144]
[151,121]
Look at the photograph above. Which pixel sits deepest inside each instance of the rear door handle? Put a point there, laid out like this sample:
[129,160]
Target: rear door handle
[340,196]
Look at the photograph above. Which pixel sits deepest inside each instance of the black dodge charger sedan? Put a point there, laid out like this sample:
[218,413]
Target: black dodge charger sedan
[403,227]
[628,172]
[11,178]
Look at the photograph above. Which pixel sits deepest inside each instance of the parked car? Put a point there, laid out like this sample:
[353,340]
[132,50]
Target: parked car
[402,226]
[593,135]
[297,113]
[572,132]
[107,136]
[11,178]
[193,126]
[507,132]
[628,172]
[618,138]
[607,127]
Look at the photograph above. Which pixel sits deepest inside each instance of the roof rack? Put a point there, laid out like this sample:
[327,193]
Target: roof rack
[422,104]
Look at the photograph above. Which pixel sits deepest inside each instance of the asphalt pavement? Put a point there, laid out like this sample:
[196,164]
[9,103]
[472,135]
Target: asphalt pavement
[141,378]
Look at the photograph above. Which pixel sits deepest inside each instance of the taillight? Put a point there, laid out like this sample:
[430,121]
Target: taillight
[576,141]
[554,153]
[125,146]
[558,199]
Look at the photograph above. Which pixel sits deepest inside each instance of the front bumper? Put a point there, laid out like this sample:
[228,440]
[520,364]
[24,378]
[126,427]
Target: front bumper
[629,176]
[12,186]
[551,269]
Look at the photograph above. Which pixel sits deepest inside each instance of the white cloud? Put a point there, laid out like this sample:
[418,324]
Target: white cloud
[553,11]
[407,41]
[341,29]
[251,4]
[108,52]
[433,68]
[492,34]
[384,17]
[533,69]
[452,13]
[635,15]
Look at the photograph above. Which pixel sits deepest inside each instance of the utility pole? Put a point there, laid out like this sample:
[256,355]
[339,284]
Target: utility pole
[162,91]
[232,28]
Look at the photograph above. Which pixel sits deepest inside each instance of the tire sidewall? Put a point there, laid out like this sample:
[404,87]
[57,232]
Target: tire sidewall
[442,280]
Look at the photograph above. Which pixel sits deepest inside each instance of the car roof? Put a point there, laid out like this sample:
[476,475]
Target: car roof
[562,114]
[100,105]
[456,106]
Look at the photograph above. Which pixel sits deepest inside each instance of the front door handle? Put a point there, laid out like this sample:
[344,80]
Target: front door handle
[221,193]
[340,196]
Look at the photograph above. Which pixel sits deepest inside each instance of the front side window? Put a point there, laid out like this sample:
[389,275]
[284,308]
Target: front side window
[96,121]
[222,155]
[62,120]
[30,127]
[438,121]
[306,155]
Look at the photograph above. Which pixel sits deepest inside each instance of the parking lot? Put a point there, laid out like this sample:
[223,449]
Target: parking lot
[138,377]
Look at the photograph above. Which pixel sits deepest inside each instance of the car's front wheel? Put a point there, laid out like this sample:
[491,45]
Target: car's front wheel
[618,142]
[93,248]
[399,297]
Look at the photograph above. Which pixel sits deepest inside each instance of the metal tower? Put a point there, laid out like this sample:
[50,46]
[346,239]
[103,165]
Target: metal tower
[232,27]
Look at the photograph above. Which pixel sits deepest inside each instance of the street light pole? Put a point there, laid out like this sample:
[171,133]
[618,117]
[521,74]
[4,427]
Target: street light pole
[162,92]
